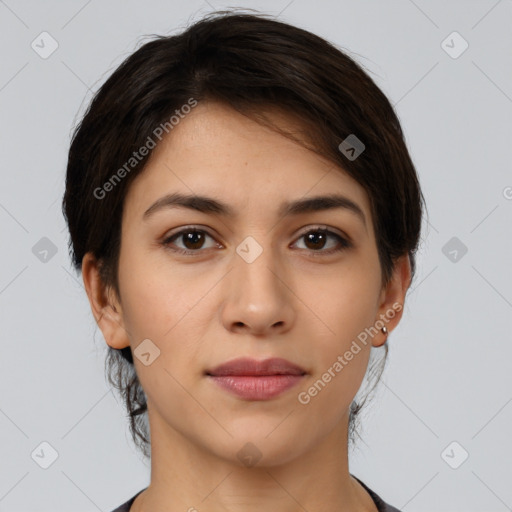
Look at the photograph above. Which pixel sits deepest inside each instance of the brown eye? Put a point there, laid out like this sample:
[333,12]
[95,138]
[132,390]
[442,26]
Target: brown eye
[317,239]
[193,241]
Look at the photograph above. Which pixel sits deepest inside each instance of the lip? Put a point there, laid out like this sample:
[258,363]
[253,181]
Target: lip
[251,379]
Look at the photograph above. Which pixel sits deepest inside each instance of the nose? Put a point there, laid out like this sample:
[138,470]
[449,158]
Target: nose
[258,299]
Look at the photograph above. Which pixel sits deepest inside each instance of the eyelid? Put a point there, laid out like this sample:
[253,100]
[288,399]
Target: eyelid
[304,231]
[324,227]
[177,232]
[344,240]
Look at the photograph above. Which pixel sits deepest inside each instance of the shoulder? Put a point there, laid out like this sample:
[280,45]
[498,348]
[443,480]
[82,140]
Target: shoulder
[125,507]
[382,506]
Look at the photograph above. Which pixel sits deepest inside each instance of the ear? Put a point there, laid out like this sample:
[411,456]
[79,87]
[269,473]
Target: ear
[392,299]
[105,305]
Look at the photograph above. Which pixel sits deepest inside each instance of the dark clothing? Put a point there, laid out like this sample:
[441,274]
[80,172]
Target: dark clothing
[379,502]
[381,505]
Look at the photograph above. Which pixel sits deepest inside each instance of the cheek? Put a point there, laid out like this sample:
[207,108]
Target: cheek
[341,359]
[347,304]
[171,308]
[156,298]
[163,307]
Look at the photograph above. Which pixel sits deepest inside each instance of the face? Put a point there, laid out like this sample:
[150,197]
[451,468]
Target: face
[245,275]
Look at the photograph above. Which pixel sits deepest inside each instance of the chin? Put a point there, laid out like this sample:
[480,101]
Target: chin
[263,446]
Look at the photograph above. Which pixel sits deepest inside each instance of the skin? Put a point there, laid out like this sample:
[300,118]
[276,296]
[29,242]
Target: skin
[292,301]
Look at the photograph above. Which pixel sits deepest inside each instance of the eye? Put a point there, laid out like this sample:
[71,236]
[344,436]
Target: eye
[316,240]
[192,238]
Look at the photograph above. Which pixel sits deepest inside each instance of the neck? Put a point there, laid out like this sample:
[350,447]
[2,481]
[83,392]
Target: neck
[185,476]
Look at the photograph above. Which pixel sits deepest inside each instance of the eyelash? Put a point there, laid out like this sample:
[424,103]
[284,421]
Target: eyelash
[343,243]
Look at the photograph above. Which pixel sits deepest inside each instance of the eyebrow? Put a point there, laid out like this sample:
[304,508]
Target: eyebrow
[210,205]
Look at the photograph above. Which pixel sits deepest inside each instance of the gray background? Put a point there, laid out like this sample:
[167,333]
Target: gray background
[449,371]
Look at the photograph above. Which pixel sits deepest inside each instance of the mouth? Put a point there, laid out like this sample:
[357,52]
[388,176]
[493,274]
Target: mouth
[250,379]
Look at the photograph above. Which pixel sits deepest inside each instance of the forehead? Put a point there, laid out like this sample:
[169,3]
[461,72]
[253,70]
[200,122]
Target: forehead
[216,151]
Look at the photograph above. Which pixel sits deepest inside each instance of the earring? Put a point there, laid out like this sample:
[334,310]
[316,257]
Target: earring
[384,330]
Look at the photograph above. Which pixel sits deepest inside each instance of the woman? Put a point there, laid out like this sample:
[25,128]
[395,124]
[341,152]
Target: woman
[245,214]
